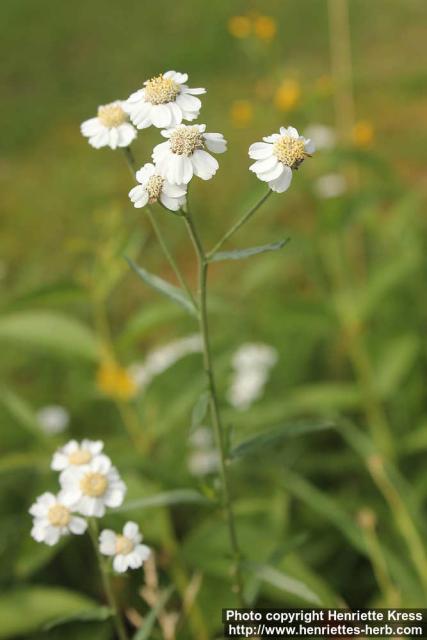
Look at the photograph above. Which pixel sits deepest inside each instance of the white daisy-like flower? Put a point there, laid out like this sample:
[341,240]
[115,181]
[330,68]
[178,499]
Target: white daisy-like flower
[278,156]
[53,518]
[93,487]
[126,548]
[184,153]
[154,187]
[110,128]
[75,454]
[164,101]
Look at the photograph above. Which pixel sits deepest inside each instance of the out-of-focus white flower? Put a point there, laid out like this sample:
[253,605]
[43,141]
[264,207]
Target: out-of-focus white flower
[154,187]
[110,127]
[75,454]
[279,155]
[126,548]
[159,360]
[93,487]
[251,364]
[164,101]
[324,137]
[184,153]
[53,518]
[53,419]
[204,457]
[331,185]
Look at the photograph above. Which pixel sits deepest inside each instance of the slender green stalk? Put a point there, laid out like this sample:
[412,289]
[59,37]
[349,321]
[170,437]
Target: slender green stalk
[108,589]
[213,402]
[169,257]
[239,224]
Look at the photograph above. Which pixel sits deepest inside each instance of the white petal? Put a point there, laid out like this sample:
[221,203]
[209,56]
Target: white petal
[309,146]
[292,132]
[120,563]
[273,173]
[273,138]
[173,204]
[205,166]
[90,127]
[260,150]
[143,551]
[195,92]
[113,138]
[180,78]
[52,535]
[115,498]
[161,116]
[261,166]
[216,144]
[134,560]
[127,133]
[131,530]
[188,102]
[77,525]
[145,172]
[101,139]
[280,184]
[174,190]
[107,542]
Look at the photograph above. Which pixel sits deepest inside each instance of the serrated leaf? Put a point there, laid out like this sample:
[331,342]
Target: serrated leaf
[97,614]
[26,610]
[49,331]
[199,410]
[167,289]
[168,498]
[144,632]
[277,434]
[241,254]
[283,581]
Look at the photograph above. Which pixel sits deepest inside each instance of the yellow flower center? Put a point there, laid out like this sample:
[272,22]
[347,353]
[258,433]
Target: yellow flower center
[111,115]
[160,90]
[58,515]
[93,484]
[123,545]
[81,456]
[290,151]
[154,188]
[186,139]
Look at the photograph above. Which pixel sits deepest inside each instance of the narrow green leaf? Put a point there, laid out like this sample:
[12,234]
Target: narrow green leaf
[21,412]
[240,254]
[97,614]
[199,410]
[49,331]
[25,610]
[167,289]
[144,632]
[168,498]
[277,434]
[283,581]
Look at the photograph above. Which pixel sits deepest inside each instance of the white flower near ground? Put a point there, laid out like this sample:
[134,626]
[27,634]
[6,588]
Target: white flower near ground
[93,487]
[110,128]
[331,185]
[324,137]
[184,153]
[53,419]
[53,517]
[75,454]
[164,101]
[279,155]
[162,358]
[125,548]
[154,187]
[252,364]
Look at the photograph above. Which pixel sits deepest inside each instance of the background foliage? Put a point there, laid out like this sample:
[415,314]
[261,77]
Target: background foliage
[331,500]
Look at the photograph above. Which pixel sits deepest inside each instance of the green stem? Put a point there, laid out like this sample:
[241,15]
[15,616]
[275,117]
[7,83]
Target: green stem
[169,257]
[213,403]
[108,589]
[239,224]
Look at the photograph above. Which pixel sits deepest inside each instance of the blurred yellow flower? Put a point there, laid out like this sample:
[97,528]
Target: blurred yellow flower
[287,95]
[363,133]
[265,27]
[241,113]
[239,26]
[115,381]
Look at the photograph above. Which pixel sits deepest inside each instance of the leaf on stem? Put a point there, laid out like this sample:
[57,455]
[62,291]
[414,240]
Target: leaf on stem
[97,614]
[144,632]
[167,289]
[199,410]
[179,496]
[273,436]
[240,254]
[283,581]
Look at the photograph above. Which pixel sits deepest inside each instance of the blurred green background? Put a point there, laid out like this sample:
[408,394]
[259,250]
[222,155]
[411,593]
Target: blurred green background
[330,503]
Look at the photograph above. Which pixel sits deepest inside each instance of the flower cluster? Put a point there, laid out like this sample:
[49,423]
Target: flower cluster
[89,484]
[165,102]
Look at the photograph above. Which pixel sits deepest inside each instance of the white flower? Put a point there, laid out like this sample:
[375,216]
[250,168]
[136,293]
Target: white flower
[53,419]
[110,127]
[154,187]
[164,101]
[184,153]
[331,185]
[93,487]
[75,454]
[53,518]
[278,156]
[251,364]
[324,137]
[126,548]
